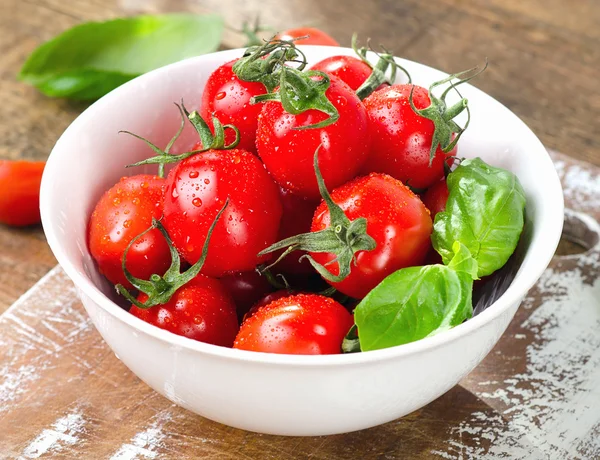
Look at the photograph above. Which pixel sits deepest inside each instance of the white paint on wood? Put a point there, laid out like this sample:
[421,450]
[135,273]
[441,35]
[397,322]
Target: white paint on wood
[144,445]
[65,431]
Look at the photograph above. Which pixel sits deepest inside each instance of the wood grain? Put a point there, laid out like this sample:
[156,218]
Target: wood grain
[64,394]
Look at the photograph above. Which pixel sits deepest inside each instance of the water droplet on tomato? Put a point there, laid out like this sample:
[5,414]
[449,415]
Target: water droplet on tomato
[207,181]
[197,202]
[117,201]
[127,223]
[193,174]
[190,248]
[174,193]
[136,201]
[197,319]
[105,239]
[220,95]
[144,185]
[127,211]
[236,159]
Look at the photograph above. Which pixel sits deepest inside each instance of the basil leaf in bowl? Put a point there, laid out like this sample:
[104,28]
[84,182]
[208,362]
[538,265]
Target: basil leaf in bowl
[91,59]
[416,302]
[485,211]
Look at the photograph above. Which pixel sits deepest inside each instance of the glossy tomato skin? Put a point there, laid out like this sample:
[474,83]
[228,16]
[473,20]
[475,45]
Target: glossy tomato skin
[297,218]
[436,196]
[350,70]
[302,324]
[315,36]
[288,153]
[266,300]
[396,219]
[197,189]
[121,214]
[245,288]
[20,192]
[401,139]
[201,310]
[228,98]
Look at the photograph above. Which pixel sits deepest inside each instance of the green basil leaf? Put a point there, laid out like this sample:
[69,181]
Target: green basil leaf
[414,303]
[484,211]
[462,261]
[93,58]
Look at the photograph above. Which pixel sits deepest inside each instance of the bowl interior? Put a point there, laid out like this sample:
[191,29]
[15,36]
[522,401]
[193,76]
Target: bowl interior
[91,155]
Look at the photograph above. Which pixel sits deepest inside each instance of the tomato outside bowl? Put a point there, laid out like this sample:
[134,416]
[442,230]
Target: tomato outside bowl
[270,393]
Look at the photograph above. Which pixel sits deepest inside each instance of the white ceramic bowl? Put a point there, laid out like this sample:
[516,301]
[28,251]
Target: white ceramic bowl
[268,393]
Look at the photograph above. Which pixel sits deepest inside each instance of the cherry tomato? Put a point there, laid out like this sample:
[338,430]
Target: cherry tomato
[20,192]
[302,324]
[396,219]
[288,153]
[245,288]
[121,214]
[266,300]
[228,98]
[401,139]
[436,196]
[197,189]
[315,36]
[350,70]
[201,310]
[297,217]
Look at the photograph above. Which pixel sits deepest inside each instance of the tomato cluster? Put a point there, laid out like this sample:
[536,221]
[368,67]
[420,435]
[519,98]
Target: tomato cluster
[274,200]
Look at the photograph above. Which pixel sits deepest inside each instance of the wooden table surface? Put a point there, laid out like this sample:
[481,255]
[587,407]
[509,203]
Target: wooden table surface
[544,58]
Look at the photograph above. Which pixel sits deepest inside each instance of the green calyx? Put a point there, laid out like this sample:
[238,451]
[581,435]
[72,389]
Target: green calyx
[447,132]
[160,289]
[162,154]
[378,71]
[297,90]
[343,238]
[208,140]
[265,63]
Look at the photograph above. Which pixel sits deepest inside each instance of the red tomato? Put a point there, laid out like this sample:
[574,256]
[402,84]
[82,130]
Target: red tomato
[20,192]
[315,36]
[122,213]
[396,219]
[350,70]
[401,139]
[297,217]
[303,324]
[288,153]
[197,189]
[436,196]
[245,288]
[266,300]
[201,310]
[228,98]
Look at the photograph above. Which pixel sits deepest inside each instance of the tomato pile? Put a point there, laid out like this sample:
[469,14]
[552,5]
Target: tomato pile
[309,191]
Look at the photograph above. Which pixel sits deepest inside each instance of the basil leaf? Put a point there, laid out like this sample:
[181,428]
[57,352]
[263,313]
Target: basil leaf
[484,211]
[93,58]
[414,303]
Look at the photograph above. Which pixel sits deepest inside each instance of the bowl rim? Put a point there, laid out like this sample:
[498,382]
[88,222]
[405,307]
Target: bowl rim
[84,285]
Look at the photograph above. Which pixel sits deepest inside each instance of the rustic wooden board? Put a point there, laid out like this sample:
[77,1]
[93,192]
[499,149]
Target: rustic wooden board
[63,393]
